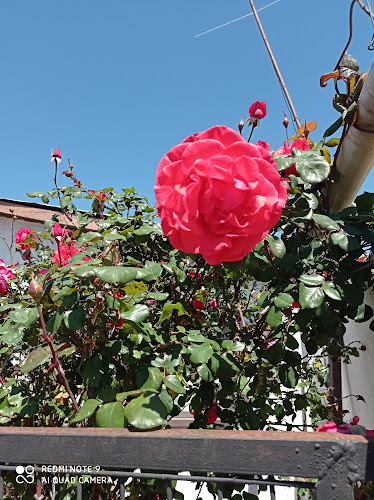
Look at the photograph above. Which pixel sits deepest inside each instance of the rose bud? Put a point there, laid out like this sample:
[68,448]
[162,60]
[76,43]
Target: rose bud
[241,125]
[286,121]
[35,290]
[56,230]
[56,154]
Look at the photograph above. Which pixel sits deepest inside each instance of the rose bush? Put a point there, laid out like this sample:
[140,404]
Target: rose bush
[218,195]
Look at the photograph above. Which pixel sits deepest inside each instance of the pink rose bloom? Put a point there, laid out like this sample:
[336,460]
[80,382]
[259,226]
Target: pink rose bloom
[328,427]
[66,252]
[218,195]
[6,271]
[21,236]
[56,230]
[257,110]
[213,304]
[301,144]
[263,144]
[3,285]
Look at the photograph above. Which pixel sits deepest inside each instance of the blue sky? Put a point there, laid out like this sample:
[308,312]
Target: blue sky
[116,84]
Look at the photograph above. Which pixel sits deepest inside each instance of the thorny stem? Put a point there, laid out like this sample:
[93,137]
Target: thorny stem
[55,361]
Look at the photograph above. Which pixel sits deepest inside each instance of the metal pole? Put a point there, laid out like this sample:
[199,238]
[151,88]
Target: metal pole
[275,65]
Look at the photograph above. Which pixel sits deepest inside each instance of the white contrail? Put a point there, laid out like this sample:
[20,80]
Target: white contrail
[234,20]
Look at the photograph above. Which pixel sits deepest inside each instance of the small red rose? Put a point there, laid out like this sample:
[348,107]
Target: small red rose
[258,110]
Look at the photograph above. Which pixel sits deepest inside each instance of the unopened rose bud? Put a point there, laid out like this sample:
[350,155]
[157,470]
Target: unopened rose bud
[286,121]
[35,290]
[56,230]
[241,125]
[56,155]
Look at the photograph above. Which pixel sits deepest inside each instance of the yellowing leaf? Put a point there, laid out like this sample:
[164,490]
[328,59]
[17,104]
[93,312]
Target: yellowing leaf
[310,125]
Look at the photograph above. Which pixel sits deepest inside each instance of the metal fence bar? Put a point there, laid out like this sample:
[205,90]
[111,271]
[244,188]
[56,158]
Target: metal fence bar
[79,491]
[1,485]
[336,460]
[219,491]
[169,490]
[122,489]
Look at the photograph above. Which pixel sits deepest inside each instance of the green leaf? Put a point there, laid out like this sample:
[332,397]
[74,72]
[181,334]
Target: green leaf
[150,272]
[340,239]
[36,358]
[365,202]
[168,311]
[35,194]
[312,168]
[277,247]
[70,299]
[137,314]
[12,335]
[312,279]
[326,223]
[283,300]
[288,376]
[167,400]
[86,411]
[205,373]
[364,313]
[284,162]
[200,353]
[172,382]
[153,380]
[65,201]
[158,296]
[111,415]
[75,319]
[146,411]
[334,127]
[117,275]
[55,321]
[90,236]
[121,396]
[19,315]
[333,291]
[310,297]
[274,317]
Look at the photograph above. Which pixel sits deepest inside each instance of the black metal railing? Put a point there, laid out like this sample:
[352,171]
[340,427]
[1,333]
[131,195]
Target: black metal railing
[333,463]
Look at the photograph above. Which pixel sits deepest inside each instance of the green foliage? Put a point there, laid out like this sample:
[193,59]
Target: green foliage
[143,331]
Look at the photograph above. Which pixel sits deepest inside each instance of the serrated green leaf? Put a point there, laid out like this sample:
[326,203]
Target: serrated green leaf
[86,411]
[137,314]
[284,162]
[117,275]
[312,279]
[146,411]
[283,300]
[326,223]
[200,353]
[312,168]
[277,247]
[310,297]
[274,317]
[111,415]
[341,239]
[65,201]
[12,335]
[35,358]
[332,291]
[75,319]
[288,376]
[172,382]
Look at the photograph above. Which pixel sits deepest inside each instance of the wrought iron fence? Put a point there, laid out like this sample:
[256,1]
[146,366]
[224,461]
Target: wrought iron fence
[334,462]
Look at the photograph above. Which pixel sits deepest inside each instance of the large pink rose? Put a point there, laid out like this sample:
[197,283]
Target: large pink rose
[218,195]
